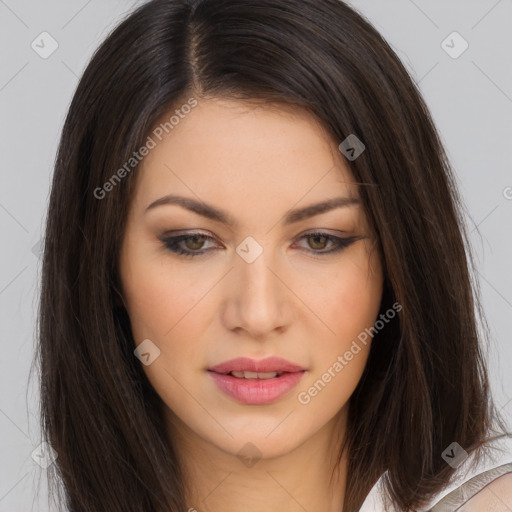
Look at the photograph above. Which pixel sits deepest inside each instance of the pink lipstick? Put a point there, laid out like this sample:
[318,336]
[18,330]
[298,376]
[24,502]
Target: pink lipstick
[253,382]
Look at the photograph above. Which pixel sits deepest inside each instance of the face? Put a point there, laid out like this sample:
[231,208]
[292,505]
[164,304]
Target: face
[257,280]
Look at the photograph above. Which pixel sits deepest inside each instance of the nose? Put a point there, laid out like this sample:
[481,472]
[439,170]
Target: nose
[258,300]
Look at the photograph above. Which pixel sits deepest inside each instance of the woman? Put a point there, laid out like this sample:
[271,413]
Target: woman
[255,290]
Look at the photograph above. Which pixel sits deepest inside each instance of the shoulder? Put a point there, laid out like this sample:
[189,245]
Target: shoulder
[490,490]
[496,496]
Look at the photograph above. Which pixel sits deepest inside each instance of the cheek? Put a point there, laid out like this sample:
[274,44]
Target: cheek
[162,309]
[351,297]
[160,299]
[169,303]
[338,366]
[357,303]
[350,305]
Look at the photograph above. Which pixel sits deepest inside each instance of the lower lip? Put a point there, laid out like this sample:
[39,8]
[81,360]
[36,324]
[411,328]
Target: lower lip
[256,391]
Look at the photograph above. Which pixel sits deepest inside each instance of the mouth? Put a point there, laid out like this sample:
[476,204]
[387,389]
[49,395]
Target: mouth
[251,368]
[254,375]
[252,382]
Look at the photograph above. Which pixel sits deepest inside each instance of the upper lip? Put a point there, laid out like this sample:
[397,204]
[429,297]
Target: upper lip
[269,364]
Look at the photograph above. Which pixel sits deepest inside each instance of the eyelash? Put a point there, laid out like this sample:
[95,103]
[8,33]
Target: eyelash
[172,243]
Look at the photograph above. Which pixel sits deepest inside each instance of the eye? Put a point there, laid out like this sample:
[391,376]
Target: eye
[318,241]
[192,244]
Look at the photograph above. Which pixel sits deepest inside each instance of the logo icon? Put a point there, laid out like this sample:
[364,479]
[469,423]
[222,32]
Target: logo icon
[44,45]
[455,455]
[249,454]
[44,455]
[455,45]
[249,249]
[351,147]
[147,352]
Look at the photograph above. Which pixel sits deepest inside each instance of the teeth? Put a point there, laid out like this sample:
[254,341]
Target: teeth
[255,375]
[267,375]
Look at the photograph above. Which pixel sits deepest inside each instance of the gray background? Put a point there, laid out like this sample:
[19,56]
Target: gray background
[470,98]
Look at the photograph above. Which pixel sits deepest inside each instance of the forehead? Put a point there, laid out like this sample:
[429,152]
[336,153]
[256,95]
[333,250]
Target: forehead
[234,151]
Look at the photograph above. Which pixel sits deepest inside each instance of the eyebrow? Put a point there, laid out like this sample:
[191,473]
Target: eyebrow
[216,214]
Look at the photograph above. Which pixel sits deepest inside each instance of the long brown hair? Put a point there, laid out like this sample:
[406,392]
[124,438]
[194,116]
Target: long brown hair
[425,384]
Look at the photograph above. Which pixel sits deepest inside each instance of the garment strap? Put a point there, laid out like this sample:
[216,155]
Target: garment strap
[458,497]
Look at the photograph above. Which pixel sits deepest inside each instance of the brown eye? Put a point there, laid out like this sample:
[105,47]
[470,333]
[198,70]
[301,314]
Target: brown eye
[319,241]
[188,244]
[197,242]
[193,244]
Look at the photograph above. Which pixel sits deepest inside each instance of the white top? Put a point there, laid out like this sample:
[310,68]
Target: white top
[464,484]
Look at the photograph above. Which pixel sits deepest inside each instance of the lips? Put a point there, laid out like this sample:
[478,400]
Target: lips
[252,382]
[267,365]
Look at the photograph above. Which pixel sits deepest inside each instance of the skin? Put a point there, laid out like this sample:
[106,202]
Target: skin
[256,162]
[495,497]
